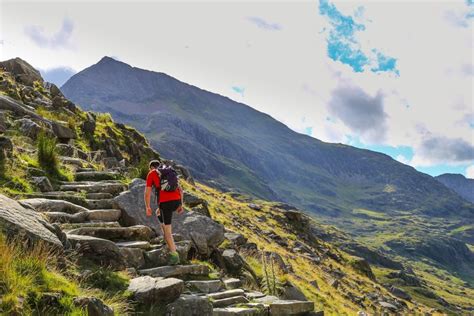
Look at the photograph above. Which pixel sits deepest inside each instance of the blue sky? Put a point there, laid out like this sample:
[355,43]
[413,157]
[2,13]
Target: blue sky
[340,71]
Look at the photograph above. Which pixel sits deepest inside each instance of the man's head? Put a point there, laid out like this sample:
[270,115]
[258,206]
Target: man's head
[154,164]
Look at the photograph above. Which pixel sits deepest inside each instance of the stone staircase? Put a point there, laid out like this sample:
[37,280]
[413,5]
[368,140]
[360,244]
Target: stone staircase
[86,212]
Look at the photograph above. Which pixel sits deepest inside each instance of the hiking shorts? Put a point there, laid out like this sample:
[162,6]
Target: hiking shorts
[166,211]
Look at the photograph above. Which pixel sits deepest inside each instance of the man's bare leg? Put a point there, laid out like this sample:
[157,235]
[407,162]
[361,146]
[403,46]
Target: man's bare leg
[168,237]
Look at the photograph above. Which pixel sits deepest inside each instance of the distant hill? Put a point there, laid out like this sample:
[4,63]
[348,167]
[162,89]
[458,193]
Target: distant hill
[459,184]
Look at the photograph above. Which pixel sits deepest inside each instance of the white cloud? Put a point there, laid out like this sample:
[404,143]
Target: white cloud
[286,73]
[470,172]
[60,39]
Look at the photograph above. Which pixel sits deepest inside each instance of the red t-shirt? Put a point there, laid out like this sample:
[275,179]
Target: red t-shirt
[154,179]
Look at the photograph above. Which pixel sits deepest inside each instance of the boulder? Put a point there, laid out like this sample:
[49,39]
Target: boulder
[22,71]
[88,127]
[6,146]
[293,215]
[43,184]
[192,200]
[233,261]
[133,257]
[29,128]
[205,233]
[62,132]
[45,205]
[101,251]
[399,293]
[236,239]
[149,290]
[362,266]
[255,207]
[71,151]
[17,221]
[291,292]
[190,305]
[93,306]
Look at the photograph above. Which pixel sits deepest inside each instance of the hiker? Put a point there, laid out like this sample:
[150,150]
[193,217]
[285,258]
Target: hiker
[169,197]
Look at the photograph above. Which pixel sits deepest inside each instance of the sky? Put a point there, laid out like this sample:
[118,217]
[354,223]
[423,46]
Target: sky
[389,76]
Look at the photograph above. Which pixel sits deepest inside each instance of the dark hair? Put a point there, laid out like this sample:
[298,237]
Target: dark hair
[154,164]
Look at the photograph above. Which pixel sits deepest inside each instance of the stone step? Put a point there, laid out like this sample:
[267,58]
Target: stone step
[238,311]
[47,205]
[253,295]
[226,294]
[85,169]
[71,226]
[100,204]
[132,233]
[232,283]
[205,286]
[112,188]
[99,196]
[280,307]
[105,215]
[72,197]
[145,245]
[228,301]
[287,307]
[96,175]
[89,182]
[178,271]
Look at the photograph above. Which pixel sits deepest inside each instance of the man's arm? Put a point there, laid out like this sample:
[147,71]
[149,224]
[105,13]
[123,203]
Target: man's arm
[147,197]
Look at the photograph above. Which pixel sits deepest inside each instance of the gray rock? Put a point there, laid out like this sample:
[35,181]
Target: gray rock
[205,233]
[71,151]
[232,283]
[45,205]
[224,302]
[88,127]
[29,128]
[238,311]
[389,306]
[293,215]
[133,257]
[285,308]
[95,187]
[62,132]
[291,292]
[233,261]
[110,215]
[93,306]
[138,232]
[179,271]
[43,184]
[255,207]
[6,146]
[190,305]
[100,251]
[23,72]
[400,293]
[236,239]
[149,290]
[145,245]
[362,267]
[207,286]
[192,200]
[19,222]
[160,257]
[59,217]
[226,294]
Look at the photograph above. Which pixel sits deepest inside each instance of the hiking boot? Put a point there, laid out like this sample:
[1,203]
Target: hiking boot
[174,258]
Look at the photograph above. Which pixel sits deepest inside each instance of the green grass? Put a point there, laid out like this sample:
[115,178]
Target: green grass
[28,274]
[46,153]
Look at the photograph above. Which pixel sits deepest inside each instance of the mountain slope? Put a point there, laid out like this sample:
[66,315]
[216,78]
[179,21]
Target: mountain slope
[238,147]
[229,145]
[75,210]
[459,184]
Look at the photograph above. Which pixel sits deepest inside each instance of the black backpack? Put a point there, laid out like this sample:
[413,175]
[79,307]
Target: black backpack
[168,180]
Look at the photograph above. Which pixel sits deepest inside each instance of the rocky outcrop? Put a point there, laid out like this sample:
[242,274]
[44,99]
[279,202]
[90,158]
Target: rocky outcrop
[101,251]
[24,72]
[205,233]
[17,221]
[148,290]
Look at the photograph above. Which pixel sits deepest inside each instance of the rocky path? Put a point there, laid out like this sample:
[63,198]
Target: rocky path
[86,212]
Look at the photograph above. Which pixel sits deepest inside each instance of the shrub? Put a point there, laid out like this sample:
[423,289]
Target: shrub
[271,284]
[47,156]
